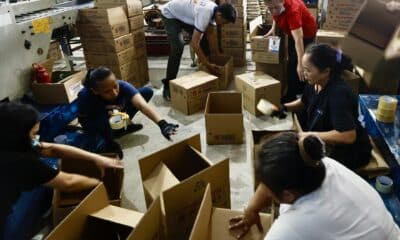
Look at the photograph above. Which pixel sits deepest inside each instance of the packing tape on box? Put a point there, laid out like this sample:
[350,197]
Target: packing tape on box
[386,109]
[384,184]
[265,107]
[118,120]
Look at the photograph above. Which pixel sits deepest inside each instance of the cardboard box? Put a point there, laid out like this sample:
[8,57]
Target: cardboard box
[225,76]
[334,38]
[277,71]
[189,93]
[255,86]
[213,223]
[105,58]
[141,76]
[233,42]
[184,163]
[265,57]
[224,118]
[64,202]
[95,218]
[108,45]
[233,32]
[139,38]
[54,52]
[341,14]
[96,31]
[109,16]
[62,92]
[135,7]
[136,22]
[238,54]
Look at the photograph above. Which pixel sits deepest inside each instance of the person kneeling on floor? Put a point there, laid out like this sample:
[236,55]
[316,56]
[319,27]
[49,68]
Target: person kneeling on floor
[104,96]
[21,168]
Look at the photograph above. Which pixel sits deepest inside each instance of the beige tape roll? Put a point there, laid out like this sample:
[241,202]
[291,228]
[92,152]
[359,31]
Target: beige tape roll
[386,109]
[118,120]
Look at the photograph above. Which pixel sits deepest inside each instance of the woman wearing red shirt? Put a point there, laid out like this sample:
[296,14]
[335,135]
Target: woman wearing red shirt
[295,20]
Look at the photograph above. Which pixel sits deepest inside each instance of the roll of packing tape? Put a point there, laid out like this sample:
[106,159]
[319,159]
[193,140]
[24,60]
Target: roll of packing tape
[387,103]
[118,120]
[384,184]
[265,107]
[386,109]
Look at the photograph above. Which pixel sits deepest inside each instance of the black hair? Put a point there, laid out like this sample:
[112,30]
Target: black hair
[94,76]
[16,120]
[227,11]
[281,165]
[324,56]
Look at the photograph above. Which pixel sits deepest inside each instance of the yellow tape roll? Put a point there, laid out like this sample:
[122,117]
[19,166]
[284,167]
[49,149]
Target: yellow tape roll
[386,109]
[118,120]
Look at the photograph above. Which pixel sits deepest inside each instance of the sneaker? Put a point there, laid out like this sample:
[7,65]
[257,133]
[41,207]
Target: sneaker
[129,129]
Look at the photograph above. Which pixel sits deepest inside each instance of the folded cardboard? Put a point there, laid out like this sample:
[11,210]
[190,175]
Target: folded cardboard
[334,38]
[224,118]
[225,76]
[213,223]
[184,162]
[103,31]
[109,16]
[189,93]
[255,86]
[107,44]
[136,22]
[105,58]
[95,218]
[59,92]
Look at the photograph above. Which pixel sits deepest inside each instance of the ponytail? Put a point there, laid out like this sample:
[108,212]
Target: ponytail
[96,75]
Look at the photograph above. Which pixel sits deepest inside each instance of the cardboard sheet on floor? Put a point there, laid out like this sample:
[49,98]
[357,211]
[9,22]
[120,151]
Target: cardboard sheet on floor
[94,218]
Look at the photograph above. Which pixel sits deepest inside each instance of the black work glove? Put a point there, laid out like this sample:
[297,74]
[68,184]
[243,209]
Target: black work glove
[281,113]
[167,129]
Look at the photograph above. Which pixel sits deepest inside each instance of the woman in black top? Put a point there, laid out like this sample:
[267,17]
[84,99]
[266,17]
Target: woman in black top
[20,166]
[329,109]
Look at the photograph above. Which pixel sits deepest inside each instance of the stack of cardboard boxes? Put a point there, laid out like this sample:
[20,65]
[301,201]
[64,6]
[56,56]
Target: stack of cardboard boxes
[341,14]
[233,35]
[108,41]
[253,9]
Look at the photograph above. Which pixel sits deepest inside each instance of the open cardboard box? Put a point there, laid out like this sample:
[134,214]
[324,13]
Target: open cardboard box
[189,93]
[333,38]
[213,223]
[183,162]
[64,203]
[377,166]
[225,76]
[60,91]
[224,118]
[95,218]
[256,86]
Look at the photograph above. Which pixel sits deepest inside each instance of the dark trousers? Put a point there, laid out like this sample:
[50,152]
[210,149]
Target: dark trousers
[174,27]
[99,125]
[294,85]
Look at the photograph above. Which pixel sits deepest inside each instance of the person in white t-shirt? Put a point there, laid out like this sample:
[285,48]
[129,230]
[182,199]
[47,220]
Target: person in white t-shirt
[199,17]
[319,197]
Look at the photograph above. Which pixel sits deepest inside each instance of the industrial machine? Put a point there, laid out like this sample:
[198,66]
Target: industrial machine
[26,29]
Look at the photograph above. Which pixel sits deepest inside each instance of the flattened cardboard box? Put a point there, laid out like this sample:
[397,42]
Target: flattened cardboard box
[98,31]
[189,93]
[62,92]
[224,118]
[105,58]
[256,86]
[108,45]
[136,22]
[183,163]
[94,218]
[225,76]
[213,223]
[110,16]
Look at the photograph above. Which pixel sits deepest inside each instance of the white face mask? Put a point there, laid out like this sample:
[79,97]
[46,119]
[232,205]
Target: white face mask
[35,142]
[282,10]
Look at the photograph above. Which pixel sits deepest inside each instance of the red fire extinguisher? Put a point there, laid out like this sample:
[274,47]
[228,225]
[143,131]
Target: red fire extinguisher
[41,74]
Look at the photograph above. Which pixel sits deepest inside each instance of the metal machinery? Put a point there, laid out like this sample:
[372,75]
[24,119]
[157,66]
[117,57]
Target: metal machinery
[26,29]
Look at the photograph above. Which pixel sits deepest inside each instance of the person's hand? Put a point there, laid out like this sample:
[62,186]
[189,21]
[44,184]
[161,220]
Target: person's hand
[306,134]
[214,69]
[279,112]
[300,72]
[167,129]
[106,162]
[270,33]
[244,222]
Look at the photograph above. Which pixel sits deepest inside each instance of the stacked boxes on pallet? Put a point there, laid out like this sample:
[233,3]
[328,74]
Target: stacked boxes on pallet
[253,9]
[341,14]
[233,35]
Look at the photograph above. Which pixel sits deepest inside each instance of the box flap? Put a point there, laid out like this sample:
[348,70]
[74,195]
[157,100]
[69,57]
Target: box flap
[159,180]
[202,228]
[253,25]
[118,215]
[224,103]
[194,79]
[150,227]
[220,225]
[73,225]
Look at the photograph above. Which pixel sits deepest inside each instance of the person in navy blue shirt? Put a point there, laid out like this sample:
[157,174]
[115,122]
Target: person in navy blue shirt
[102,94]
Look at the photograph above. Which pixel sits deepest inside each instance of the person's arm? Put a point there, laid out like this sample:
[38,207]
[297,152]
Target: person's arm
[271,32]
[299,45]
[195,43]
[141,104]
[334,136]
[69,152]
[295,106]
[67,182]
[212,38]
[261,198]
